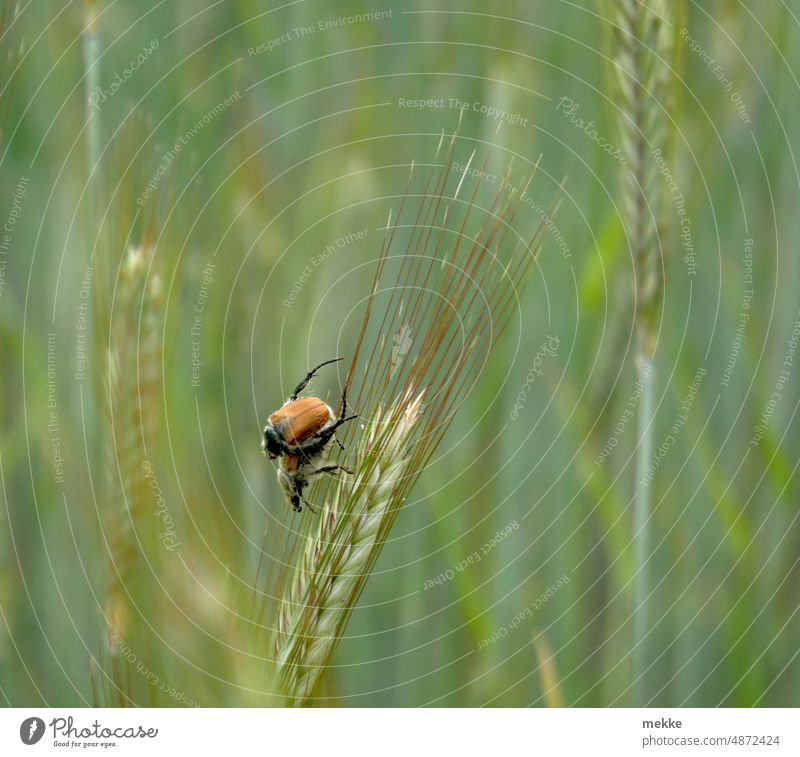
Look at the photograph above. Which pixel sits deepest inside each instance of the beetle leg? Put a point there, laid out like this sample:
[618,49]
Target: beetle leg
[320,440]
[343,408]
[330,469]
[302,385]
[309,505]
[343,417]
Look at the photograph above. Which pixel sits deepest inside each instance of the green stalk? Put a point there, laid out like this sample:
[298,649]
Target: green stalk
[642,620]
[91,46]
[642,47]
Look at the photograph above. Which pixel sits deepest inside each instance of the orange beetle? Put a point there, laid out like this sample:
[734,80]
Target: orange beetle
[298,433]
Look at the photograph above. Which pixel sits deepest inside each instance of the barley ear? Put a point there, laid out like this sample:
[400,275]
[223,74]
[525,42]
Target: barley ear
[643,48]
[338,556]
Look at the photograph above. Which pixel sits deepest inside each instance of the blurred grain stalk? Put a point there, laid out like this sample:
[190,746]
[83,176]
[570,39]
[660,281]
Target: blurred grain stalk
[642,49]
[128,310]
[134,362]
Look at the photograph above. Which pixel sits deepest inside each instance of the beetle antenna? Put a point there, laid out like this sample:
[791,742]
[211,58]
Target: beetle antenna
[303,383]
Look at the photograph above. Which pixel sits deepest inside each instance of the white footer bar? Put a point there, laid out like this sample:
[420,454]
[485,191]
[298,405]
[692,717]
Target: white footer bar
[410,733]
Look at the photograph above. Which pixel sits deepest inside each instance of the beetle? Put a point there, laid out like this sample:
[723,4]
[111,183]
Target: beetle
[298,433]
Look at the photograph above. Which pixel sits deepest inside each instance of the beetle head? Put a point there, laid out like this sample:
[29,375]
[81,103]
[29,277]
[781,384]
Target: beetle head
[272,443]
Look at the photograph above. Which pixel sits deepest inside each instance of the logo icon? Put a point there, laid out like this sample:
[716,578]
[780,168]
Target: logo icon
[31,730]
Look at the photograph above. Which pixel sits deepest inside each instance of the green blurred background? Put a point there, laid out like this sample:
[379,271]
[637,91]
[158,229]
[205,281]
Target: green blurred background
[313,144]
